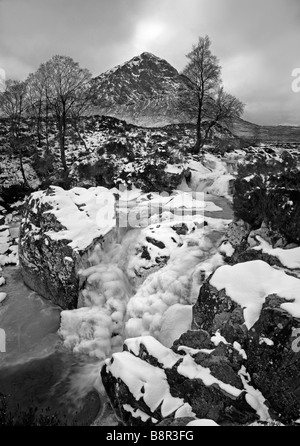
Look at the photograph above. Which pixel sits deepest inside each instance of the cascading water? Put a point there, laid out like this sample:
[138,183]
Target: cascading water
[127,294]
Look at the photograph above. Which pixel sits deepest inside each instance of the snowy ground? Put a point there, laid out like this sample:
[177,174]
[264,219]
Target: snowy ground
[8,244]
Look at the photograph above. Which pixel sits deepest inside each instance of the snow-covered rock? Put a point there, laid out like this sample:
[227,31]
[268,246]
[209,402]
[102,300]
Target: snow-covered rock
[273,357]
[258,306]
[59,231]
[148,383]
[8,245]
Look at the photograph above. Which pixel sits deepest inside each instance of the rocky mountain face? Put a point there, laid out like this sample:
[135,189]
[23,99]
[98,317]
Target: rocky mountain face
[143,91]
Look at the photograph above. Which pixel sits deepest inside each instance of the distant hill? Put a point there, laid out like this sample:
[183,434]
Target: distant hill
[280,133]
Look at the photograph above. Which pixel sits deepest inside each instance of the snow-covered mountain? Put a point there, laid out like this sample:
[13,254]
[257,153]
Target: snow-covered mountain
[143,91]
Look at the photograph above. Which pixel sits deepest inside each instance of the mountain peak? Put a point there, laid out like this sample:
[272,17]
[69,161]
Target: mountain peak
[144,61]
[146,54]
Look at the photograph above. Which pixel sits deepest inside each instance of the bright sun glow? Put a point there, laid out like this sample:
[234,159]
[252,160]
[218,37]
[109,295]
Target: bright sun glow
[147,33]
[2,74]
[2,79]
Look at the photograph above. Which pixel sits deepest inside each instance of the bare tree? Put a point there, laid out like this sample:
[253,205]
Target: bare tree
[37,97]
[203,73]
[13,106]
[84,100]
[64,83]
[36,102]
[222,108]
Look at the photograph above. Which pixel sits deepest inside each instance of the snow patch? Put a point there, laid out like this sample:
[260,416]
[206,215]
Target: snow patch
[144,381]
[203,422]
[2,297]
[191,370]
[287,257]
[164,355]
[248,284]
[254,397]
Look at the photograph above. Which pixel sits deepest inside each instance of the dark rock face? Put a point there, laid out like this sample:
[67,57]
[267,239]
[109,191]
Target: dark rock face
[215,401]
[246,243]
[176,421]
[50,267]
[43,260]
[156,178]
[252,254]
[237,235]
[45,271]
[214,311]
[273,350]
[194,339]
[143,91]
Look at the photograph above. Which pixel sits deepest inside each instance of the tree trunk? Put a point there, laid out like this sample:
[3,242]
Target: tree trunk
[62,149]
[22,168]
[77,130]
[17,148]
[38,124]
[199,142]
[62,136]
[198,135]
[47,129]
[197,146]
[211,125]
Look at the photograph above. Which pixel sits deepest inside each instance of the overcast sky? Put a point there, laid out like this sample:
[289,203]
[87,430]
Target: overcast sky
[256,41]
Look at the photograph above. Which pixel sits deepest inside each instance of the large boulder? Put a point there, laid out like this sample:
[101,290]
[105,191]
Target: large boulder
[273,351]
[59,231]
[235,240]
[216,311]
[258,306]
[149,384]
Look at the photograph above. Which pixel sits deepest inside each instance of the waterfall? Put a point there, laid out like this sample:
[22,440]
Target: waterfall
[145,282]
